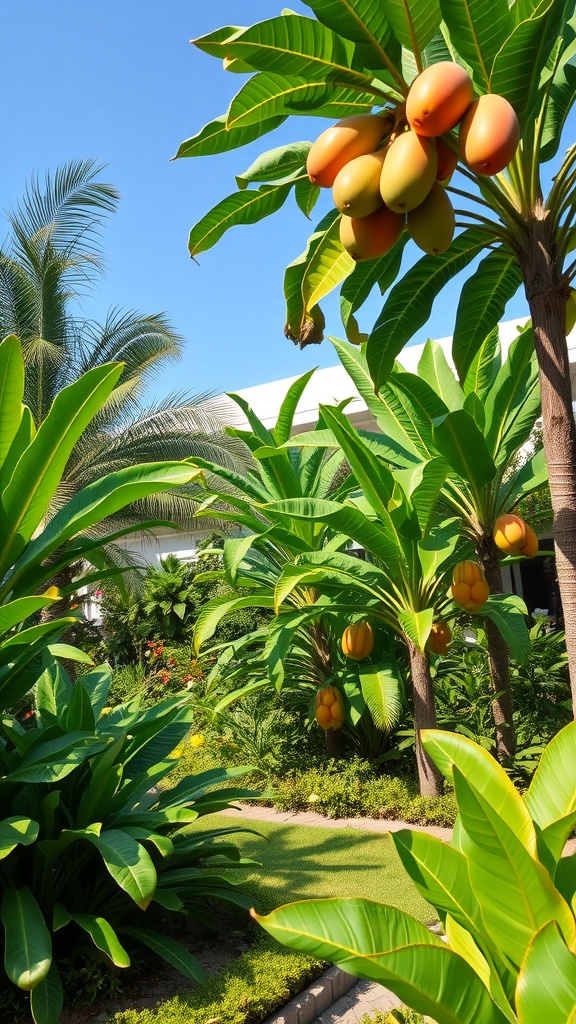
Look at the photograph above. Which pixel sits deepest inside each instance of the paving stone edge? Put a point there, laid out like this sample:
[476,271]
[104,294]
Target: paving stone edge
[316,999]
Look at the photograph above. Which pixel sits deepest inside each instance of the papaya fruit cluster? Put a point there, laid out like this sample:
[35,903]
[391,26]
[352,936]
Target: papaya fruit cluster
[387,169]
[358,641]
[469,588]
[330,710]
[513,536]
[440,637]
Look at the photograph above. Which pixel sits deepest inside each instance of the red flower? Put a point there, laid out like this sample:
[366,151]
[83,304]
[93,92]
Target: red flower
[171,661]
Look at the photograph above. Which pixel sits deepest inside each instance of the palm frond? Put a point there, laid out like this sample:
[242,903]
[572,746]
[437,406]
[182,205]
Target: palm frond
[142,343]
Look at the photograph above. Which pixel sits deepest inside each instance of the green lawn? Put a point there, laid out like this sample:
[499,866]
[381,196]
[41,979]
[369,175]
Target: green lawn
[299,862]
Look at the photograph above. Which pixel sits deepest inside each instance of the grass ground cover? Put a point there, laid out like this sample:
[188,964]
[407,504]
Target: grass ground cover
[298,862]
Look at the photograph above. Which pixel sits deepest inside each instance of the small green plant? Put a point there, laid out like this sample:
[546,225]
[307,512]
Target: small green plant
[503,891]
[397,1016]
[88,842]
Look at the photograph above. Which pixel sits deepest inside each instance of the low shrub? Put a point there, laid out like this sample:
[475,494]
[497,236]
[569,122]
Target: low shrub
[262,980]
[402,1015]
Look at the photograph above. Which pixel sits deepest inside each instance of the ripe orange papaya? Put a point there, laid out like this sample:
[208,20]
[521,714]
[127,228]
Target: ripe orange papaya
[358,641]
[530,546]
[367,238]
[489,134]
[330,711]
[469,587]
[440,637]
[356,190]
[432,224]
[438,98]
[447,162]
[409,171]
[349,138]
[510,533]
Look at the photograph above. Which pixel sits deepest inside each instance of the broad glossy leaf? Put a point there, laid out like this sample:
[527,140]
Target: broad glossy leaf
[382,693]
[413,22]
[552,792]
[357,287]
[433,367]
[269,95]
[448,749]
[215,137]
[213,612]
[16,831]
[53,760]
[129,864]
[214,43]
[364,23]
[482,301]
[422,485]
[463,446]
[410,302]
[438,547]
[521,59]
[484,367]
[508,612]
[440,873]
[417,625]
[561,91]
[478,30]
[281,432]
[277,163]
[546,987]
[306,195]
[27,943]
[299,46]
[506,403]
[515,892]
[16,612]
[298,317]
[104,938]
[245,207]
[80,715]
[173,952]
[532,475]
[47,999]
[11,392]
[383,944]
[423,399]
[372,474]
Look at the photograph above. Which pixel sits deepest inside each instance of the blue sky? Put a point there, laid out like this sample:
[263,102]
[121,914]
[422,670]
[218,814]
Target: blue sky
[118,81]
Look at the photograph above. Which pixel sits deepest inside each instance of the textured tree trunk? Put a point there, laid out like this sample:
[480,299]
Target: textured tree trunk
[547,293]
[335,744]
[430,779]
[498,659]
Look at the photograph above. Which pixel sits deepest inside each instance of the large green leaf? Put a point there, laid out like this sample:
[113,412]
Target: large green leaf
[357,287]
[546,987]
[561,92]
[27,943]
[382,693]
[299,46]
[216,609]
[434,369]
[11,392]
[383,944]
[52,760]
[448,749]
[515,892]
[417,625]
[315,273]
[129,864]
[364,23]
[413,22]
[267,95]
[372,475]
[284,422]
[478,30]
[216,137]
[15,612]
[410,302]
[299,316]
[508,612]
[170,950]
[104,938]
[482,303]
[516,380]
[484,367]
[463,446]
[16,831]
[532,475]
[47,999]
[552,792]
[245,207]
[422,485]
[521,59]
[440,873]
[275,164]
[38,472]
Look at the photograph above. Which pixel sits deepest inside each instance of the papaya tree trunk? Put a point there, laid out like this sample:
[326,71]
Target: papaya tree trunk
[335,746]
[498,659]
[547,292]
[429,778]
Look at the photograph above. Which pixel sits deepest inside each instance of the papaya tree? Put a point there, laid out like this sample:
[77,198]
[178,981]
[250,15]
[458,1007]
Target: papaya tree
[478,428]
[412,552]
[359,56]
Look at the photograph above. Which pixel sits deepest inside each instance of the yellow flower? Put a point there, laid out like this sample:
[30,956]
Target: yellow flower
[313,798]
[197,740]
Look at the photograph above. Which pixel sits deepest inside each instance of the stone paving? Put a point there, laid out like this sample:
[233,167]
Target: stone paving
[365,997]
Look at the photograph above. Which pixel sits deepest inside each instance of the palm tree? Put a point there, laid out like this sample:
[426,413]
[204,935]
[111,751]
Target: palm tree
[51,259]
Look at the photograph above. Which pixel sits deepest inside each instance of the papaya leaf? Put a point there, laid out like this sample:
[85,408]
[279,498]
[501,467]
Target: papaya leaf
[481,305]
[215,137]
[245,207]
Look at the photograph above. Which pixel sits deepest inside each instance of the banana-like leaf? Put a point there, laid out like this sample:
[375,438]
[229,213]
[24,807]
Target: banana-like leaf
[170,950]
[16,831]
[413,22]
[357,287]
[301,47]
[11,392]
[215,610]
[520,61]
[449,749]
[478,30]
[47,999]
[515,892]
[532,475]
[552,792]
[546,988]
[409,304]
[434,369]
[266,95]
[463,446]
[245,207]
[484,367]
[104,938]
[364,23]
[383,944]
[215,137]
[276,164]
[382,693]
[440,873]
[27,943]
[508,612]
[417,625]
[215,43]
[561,90]
[15,612]
[485,294]
[281,432]
[129,864]
[299,316]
